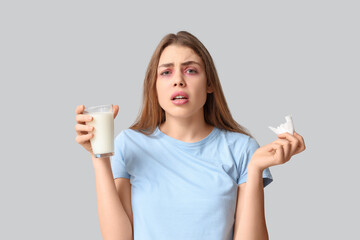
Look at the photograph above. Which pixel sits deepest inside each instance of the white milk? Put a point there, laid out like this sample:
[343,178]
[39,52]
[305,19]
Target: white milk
[103,140]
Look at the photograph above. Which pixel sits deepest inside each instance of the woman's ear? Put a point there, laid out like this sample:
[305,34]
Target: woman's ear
[209,89]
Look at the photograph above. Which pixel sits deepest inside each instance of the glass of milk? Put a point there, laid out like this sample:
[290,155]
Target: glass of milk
[102,143]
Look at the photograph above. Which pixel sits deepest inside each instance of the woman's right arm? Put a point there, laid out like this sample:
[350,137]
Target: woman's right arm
[114,221]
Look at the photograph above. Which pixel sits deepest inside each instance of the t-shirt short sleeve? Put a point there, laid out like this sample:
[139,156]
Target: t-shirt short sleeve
[117,161]
[249,150]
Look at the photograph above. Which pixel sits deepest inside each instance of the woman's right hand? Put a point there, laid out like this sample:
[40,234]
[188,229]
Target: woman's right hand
[83,131]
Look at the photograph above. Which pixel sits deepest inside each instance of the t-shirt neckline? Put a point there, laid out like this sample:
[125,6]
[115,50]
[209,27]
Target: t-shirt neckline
[177,142]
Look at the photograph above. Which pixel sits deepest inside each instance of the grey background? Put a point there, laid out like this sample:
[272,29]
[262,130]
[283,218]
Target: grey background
[273,57]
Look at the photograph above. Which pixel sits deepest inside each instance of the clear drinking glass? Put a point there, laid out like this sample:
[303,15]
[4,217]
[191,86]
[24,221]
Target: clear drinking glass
[102,143]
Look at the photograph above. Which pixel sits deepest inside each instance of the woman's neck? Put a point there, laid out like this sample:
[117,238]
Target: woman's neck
[186,130]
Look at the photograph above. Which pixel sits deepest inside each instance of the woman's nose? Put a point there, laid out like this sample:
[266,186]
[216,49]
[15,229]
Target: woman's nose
[180,84]
[179,80]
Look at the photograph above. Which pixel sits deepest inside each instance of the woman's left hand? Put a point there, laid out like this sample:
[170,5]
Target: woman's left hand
[278,152]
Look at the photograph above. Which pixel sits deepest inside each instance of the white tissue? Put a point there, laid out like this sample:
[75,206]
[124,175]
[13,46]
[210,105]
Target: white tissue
[285,127]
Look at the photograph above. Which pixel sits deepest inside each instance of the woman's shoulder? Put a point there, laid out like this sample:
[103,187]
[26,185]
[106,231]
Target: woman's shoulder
[234,136]
[129,133]
[238,140]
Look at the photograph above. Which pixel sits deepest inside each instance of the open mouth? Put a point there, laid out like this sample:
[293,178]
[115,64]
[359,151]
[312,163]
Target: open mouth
[179,101]
[179,98]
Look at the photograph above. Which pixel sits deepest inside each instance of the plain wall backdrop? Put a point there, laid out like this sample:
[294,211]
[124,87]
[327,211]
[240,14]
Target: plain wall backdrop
[274,58]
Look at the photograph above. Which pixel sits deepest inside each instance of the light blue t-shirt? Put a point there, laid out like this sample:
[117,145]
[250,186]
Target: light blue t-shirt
[183,190]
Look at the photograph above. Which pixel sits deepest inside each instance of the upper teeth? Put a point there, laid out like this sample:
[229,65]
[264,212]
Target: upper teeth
[179,97]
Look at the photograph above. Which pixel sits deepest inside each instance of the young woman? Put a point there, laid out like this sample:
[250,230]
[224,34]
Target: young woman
[185,169]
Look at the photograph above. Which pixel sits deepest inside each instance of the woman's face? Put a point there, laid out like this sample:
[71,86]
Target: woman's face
[180,69]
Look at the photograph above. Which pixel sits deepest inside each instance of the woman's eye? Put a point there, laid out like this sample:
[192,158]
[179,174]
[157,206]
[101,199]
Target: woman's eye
[165,73]
[191,71]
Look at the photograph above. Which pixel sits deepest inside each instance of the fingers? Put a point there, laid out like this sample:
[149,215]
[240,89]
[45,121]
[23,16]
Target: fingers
[286,145]
[292,140]
[80,109]
[279,156]
[116,110]
[302,143]
[79,128]
[280,151]
[277,152]
[83,138]
[81,118]
[83,130]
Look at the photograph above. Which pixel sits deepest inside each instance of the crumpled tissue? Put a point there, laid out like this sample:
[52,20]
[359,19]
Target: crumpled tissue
[285,127]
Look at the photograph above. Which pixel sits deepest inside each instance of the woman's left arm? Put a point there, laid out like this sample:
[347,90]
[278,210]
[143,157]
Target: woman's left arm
[250,221]
[250,208]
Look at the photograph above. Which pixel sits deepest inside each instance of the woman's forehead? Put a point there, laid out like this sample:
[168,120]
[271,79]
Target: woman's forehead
[178,54]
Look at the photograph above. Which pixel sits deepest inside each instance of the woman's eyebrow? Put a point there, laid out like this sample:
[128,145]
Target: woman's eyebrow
[182,64]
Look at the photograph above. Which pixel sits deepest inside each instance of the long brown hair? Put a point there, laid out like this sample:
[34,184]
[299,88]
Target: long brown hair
[216,111]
